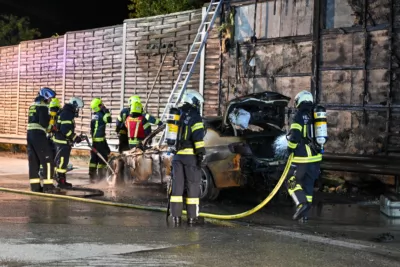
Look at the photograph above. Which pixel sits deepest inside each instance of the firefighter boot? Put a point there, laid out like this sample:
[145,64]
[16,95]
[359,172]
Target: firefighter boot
[304,217]
[93,175]
[300,209]
[50,189]
[177,220]
[36,188]
[195,221]
[62,181]
[102,173]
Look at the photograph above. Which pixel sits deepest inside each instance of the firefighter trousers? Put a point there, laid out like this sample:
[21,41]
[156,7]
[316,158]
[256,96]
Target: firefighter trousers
[186,174]
[123,143]
[53,153]
[63,152]
[97,167]
[40,153]
[300,182]
[135,142]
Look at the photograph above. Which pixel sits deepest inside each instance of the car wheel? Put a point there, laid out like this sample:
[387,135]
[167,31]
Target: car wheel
[208,191]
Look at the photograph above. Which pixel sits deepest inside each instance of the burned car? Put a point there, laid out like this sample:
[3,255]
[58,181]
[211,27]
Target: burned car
[239,148]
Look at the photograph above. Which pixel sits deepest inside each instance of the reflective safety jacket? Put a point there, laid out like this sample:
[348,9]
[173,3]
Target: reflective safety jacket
[65,125]
[52,123]
[39,117]
[301,138]
[120,123]
[190,133]
[98,125]
[136,125]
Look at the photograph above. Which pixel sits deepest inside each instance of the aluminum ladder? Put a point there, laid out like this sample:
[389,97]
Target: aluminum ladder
[191,59]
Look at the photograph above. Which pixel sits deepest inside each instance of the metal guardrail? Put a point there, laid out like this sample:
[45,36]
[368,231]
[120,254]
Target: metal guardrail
[381,165]
[384,165]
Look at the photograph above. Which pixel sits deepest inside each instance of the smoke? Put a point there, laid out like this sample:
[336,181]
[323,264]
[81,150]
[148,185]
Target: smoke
[280,147]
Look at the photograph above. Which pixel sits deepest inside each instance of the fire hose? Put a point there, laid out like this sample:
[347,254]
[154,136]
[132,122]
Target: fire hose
[149,208]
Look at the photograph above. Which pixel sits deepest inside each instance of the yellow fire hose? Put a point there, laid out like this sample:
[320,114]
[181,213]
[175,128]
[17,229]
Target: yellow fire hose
[133,206]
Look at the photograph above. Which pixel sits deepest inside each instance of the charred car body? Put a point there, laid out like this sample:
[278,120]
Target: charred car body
[239,147]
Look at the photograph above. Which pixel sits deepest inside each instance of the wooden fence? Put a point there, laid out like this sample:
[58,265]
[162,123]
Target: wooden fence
[112,63]
[345,51]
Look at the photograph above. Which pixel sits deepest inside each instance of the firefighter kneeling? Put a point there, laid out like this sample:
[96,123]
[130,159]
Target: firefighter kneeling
[307,157]
[186,163]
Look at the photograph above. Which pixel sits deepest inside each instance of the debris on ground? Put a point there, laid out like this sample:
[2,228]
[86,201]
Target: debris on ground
[385,237]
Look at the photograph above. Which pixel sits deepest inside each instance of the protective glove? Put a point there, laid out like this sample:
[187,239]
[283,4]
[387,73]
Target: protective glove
[160,124]
[201,160]
[77,139]
[105,110]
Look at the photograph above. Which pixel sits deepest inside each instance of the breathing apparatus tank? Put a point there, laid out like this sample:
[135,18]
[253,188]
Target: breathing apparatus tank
[172,127]
[320,126]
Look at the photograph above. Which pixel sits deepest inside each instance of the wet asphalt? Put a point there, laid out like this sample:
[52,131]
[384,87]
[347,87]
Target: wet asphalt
[37,231]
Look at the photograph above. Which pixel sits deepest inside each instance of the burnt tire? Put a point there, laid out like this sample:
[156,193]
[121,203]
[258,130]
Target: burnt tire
[208,191]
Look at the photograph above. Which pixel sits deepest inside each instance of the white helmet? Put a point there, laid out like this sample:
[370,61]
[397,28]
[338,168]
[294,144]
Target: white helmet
[192,97]
[77,102]
[303,96]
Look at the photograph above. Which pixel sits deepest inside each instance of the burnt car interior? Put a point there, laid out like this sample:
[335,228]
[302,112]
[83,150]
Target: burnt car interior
[263,116]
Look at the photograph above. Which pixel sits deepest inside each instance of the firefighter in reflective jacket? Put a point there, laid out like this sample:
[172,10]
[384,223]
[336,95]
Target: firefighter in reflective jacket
[121,126]
[65,136]
[186,163]
[101,116]
[137,125]
[38,146]
[306,159]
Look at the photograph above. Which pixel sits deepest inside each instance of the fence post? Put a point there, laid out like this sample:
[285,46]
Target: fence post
[18,85]
[316,52]
[64,67]
[123,66]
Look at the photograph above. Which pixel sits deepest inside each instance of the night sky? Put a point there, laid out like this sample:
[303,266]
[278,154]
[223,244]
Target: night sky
[59,16]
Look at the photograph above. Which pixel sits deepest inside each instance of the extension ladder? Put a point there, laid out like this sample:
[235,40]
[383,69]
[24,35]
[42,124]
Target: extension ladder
[191,59]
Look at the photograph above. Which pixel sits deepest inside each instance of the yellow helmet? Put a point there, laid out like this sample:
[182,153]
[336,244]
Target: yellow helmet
[136,107]
[134,98]
[55,103]
[94,105]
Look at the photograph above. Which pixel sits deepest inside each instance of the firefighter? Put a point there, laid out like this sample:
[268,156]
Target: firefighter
[186,163]
[121,127]
[137,125]
[65,137]
[101,116]
[54,108]
[38,146]
[307,157]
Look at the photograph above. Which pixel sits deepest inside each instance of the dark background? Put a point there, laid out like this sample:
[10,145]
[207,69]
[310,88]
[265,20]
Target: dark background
[59,16]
